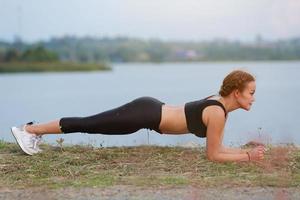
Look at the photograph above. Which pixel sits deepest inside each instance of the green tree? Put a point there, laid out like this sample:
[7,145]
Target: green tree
[2,54]
[11,55]
[39,54]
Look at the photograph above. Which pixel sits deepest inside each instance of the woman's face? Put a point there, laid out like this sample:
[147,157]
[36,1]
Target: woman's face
[246,97]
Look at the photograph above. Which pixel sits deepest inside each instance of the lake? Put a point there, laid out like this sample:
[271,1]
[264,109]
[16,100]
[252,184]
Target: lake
[273,118]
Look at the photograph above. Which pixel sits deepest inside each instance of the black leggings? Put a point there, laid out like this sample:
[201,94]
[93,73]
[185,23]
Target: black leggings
[143,112]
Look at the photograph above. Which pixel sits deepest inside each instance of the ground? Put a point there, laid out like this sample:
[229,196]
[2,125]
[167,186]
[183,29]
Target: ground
[145,172]
[159,193]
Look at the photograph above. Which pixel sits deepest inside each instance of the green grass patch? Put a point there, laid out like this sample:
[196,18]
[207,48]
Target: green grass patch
[87,166]
[3,144]
[11,67]
[174,180]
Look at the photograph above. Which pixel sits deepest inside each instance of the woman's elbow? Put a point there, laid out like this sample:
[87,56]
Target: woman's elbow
[212,157]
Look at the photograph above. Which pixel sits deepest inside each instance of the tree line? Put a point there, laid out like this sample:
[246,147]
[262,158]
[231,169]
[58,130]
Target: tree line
[33,54]
[124,49]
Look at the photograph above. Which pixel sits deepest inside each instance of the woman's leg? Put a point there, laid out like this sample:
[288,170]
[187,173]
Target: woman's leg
[144,112]
[52,127]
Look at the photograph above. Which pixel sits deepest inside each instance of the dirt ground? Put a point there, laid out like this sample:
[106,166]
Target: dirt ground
[128,170]
[160,193]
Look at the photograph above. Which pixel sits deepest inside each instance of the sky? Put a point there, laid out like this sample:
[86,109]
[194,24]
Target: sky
[190,20]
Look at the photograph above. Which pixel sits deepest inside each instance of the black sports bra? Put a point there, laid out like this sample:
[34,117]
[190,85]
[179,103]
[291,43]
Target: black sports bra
[193,114]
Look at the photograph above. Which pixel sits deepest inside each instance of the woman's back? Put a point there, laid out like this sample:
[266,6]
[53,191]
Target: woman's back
[173,120]
[188,117]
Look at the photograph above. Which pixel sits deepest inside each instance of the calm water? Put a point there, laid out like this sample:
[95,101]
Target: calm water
[274,117]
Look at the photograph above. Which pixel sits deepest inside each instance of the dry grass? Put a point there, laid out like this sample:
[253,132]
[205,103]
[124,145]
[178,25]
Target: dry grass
[80,166]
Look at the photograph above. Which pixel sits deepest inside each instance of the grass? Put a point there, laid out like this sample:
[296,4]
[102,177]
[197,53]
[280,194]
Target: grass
[11,67]
[87,166]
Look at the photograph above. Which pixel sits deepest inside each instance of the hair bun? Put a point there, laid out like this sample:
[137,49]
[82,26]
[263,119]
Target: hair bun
[236,79]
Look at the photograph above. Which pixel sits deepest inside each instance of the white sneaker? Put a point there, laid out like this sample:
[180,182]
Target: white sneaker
[38,140]
[27,141]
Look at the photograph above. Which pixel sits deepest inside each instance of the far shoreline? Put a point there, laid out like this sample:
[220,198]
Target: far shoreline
[23,67]
[61,67]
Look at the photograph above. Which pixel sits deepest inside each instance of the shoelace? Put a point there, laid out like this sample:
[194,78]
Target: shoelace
[36,140]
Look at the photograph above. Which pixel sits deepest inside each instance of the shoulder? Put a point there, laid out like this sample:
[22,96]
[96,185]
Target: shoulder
[215,110]
[215,113]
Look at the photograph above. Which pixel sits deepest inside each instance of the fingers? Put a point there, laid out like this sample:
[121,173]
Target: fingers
[261,148]
[261,154]
[258,153]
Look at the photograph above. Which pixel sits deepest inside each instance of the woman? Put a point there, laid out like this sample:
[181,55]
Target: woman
[204,118]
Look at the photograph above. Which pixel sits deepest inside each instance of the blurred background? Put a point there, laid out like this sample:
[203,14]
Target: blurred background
[77,58]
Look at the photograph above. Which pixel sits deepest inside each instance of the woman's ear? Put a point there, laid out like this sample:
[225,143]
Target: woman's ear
[236,93]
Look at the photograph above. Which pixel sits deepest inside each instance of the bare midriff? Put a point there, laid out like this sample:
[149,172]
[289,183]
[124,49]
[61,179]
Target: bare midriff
[173,120]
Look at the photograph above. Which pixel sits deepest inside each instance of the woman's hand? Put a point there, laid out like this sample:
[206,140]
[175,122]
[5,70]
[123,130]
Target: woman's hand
[257,153]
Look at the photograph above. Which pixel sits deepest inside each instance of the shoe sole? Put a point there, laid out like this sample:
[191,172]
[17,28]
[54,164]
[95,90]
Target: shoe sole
[19,142]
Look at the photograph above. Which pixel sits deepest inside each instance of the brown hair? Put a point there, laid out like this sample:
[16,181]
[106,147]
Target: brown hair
[236,79]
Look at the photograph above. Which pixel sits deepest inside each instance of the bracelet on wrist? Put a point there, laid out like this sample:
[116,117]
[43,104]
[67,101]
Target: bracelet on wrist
[248,155]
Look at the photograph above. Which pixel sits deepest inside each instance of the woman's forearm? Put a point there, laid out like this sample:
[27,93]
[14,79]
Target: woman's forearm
[224,157]
[231,150]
